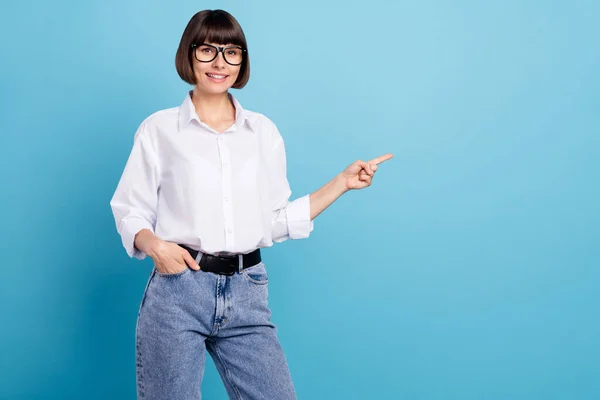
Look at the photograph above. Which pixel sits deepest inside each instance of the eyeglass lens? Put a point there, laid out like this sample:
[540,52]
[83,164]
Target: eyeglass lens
[205,53]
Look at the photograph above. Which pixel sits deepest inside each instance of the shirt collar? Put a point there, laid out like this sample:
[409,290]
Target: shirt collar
[187,112]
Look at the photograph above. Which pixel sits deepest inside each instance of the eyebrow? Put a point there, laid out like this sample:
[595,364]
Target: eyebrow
[223,45]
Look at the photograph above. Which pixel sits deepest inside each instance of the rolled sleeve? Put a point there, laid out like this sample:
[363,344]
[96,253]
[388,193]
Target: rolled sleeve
[131,226]
[298,218]
[135,200]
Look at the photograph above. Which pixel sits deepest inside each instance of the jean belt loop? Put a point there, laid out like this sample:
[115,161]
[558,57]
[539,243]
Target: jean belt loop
[241,261]
[198,257]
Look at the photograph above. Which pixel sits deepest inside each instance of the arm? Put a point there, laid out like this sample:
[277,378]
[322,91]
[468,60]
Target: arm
[326,195]
[289,219]
[294,220]
[135,200]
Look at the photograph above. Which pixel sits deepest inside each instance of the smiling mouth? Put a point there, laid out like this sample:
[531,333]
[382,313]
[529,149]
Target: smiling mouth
[217,77]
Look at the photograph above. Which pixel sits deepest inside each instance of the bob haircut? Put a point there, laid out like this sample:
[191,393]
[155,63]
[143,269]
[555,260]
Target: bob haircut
[215,26]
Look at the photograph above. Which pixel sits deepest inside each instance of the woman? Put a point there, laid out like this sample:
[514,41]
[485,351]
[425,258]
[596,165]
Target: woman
[203,190]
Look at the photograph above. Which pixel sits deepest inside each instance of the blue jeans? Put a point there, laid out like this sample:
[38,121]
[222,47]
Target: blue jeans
[184,314]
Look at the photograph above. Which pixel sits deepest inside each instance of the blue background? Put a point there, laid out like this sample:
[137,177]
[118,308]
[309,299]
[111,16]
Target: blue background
[468,270]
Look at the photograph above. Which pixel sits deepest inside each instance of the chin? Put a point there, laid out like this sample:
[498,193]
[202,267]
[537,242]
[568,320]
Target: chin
[213,90]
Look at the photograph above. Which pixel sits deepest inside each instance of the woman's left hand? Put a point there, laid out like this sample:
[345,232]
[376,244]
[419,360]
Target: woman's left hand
[359,174]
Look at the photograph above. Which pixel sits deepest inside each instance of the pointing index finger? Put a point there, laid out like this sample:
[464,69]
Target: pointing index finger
[381,159]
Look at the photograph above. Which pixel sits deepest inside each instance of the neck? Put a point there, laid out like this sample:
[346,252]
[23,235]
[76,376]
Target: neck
[213,107]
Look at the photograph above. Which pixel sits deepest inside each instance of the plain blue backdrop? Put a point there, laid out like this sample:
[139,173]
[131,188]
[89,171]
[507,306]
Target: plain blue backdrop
[468,270]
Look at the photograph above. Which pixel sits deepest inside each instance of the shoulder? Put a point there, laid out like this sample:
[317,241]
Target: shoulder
[164,120]
[263,125]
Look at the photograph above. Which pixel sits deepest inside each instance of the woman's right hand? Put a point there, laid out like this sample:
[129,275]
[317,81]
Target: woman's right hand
[170,258]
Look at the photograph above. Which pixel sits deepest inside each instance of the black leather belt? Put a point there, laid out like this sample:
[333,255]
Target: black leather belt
[224,265]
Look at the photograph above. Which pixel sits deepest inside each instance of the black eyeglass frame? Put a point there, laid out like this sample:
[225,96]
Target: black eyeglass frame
[220,49]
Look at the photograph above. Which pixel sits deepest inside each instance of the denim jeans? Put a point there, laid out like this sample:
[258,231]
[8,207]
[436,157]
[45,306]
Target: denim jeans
[184,314]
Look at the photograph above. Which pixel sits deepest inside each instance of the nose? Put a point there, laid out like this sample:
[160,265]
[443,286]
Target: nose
[219,61]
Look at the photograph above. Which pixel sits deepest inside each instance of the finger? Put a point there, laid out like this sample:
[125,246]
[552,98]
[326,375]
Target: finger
[365,167]
[190,261]
[364,174]
[354,168]
[369,169]
[380,159]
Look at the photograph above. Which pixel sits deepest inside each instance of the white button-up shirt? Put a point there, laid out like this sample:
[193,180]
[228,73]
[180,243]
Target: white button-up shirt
[220,193]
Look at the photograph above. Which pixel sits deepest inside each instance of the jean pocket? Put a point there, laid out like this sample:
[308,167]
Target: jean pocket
[172,275]
[256,274]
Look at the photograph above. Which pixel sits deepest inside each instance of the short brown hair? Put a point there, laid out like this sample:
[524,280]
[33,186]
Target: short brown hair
[215,26]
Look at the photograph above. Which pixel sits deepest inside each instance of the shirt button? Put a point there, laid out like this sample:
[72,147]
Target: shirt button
[226,198]
[225,164]
[228,230]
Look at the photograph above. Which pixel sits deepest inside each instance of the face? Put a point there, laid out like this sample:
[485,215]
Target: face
[215,76]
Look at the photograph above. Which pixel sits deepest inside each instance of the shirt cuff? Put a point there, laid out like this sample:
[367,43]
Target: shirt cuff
[131,226]
[298,218]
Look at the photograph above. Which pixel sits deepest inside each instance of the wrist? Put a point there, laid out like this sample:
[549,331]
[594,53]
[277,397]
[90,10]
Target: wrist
[146,241]
[339,182]
[153,245]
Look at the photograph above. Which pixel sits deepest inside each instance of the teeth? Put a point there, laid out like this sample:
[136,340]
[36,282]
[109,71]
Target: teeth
[216,76]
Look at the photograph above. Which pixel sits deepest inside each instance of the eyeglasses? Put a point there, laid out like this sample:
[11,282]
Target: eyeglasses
[205,52]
